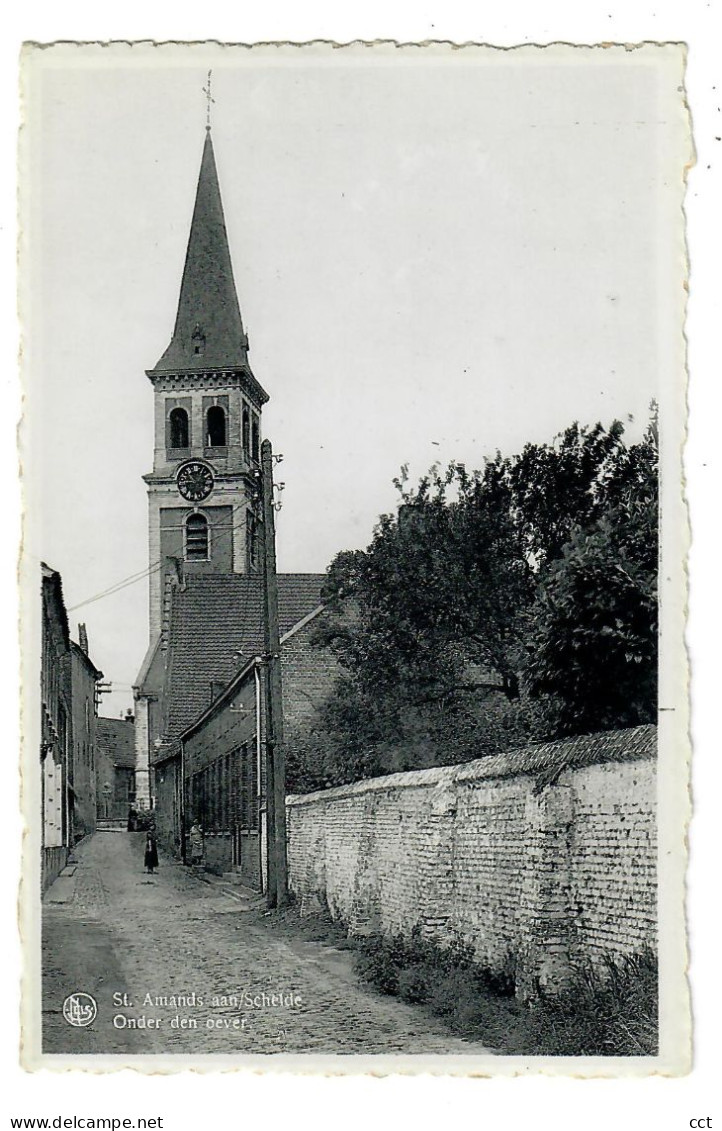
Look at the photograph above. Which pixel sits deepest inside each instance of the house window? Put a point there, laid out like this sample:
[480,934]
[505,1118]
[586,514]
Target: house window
[216,427]
[248,808]
[215,795]
[203,799]
[198,799]
[178,428]
[226,796]
[197,538]
[211,796]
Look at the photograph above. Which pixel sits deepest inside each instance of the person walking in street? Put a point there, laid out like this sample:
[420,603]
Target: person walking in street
[196,839]
[151,851]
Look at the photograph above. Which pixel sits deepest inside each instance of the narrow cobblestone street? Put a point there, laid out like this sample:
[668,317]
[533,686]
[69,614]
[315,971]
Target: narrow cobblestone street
[122,932]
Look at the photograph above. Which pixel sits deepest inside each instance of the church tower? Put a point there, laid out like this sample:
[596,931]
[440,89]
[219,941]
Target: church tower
[207,411]
[207,415]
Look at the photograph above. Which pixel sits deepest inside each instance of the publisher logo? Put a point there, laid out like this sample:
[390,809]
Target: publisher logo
[80,1010]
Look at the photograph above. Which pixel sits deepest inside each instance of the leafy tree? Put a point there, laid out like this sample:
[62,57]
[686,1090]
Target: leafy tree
[435,605]
[593,636]
[498,606]
[557,487]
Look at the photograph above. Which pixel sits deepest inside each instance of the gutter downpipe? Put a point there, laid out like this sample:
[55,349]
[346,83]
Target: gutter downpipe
[182,805]
[259,779]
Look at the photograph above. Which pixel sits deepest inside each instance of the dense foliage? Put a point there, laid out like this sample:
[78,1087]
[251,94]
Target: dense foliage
[609,1009]
[498,606]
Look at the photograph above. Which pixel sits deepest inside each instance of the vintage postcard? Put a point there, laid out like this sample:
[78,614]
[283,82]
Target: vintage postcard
[353,591]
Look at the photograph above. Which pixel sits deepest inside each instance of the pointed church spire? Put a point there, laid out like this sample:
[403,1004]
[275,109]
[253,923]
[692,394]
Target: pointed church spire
[208,330]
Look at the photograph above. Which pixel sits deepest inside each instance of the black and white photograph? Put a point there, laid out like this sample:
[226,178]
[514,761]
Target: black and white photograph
[355,720]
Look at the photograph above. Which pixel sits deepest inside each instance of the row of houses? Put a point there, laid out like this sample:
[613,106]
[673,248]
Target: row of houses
[76,782]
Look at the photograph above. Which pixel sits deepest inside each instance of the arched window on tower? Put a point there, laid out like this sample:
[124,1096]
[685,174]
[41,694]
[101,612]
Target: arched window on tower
[246,430]
[178,428]
[216,427]
[197,542]
[255,438]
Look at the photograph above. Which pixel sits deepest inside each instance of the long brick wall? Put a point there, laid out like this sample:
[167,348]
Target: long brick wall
[542,856]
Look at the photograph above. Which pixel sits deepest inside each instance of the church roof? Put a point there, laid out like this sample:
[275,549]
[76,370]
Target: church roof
[215,627]
[208,330]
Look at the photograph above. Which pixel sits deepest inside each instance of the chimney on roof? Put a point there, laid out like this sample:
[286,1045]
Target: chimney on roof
[175,573]
[83,638]
[173,578]
[217,686]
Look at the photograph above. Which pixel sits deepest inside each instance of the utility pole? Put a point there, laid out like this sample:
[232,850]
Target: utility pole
[277,894]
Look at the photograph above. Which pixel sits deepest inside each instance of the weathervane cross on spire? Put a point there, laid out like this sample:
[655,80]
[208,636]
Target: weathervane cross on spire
[209,99]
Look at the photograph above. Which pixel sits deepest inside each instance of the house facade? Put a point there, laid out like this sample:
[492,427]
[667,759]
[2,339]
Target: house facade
[115,768]
[219,767]
[56,727]
[81,771]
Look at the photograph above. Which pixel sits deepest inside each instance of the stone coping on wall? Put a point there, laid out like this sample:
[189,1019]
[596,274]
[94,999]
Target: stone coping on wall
[547,759]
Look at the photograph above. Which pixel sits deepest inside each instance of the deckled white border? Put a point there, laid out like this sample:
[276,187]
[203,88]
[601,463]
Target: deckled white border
[674,804]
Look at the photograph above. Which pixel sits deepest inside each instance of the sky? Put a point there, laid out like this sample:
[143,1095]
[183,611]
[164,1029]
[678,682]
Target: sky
[438,254]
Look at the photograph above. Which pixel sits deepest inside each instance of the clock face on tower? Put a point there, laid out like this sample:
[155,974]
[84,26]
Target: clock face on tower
[195,481]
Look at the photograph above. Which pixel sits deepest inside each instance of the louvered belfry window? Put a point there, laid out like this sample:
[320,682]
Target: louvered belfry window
[197,538]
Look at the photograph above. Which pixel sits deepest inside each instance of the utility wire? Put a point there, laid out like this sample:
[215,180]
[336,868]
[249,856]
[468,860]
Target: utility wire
[135,577]
[116,588]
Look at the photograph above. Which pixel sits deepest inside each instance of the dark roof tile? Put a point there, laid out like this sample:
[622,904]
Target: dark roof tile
[215,627]
[116,739]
